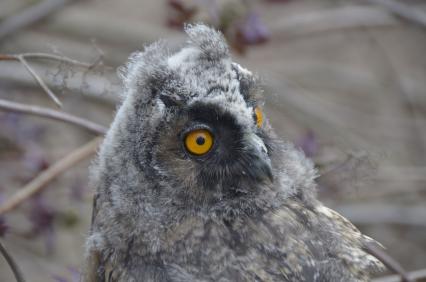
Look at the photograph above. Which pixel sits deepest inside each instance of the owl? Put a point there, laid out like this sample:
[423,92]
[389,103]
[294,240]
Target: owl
[192,184]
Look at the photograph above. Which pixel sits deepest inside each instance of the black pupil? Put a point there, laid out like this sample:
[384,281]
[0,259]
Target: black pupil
[200,140]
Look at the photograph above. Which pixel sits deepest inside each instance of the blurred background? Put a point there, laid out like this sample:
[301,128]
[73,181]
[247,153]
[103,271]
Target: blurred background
[344,80]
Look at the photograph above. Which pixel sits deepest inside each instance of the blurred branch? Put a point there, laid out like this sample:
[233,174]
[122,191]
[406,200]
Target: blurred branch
[29,16]
[104,87]
[403,10]
[384,214]
[41,181]
[22,59]
[302,24]
[414,275]
[45,112]
[388,261]
[39,81]
[13,265]
[15,57]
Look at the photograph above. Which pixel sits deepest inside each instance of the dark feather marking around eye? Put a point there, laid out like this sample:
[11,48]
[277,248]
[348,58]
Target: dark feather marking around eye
[216,87]
[211,114]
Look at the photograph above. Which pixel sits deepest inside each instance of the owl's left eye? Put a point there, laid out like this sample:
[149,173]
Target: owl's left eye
[258,116]
[199,141]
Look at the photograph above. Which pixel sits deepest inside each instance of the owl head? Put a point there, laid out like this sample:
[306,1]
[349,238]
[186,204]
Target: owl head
[192,133]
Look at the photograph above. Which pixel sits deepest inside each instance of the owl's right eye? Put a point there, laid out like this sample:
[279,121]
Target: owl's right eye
[199,141]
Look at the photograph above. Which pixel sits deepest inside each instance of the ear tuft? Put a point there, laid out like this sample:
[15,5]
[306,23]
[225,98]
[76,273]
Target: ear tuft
[144,66]
[210,41]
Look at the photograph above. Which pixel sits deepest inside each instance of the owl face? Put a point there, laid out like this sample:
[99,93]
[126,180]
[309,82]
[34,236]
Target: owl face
[196,122]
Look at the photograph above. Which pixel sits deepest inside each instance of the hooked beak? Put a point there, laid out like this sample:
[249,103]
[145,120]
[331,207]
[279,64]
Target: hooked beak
[260,164]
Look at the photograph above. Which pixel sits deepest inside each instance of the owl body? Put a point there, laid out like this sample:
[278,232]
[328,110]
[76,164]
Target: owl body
[192,184]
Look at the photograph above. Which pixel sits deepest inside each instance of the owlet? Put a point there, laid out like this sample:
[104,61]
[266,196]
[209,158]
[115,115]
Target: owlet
[192,184]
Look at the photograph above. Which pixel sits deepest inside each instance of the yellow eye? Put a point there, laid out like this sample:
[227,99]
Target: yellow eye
[259,116]
[199,141]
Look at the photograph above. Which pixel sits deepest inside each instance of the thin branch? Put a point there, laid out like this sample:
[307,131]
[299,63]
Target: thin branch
[39,81]
[22,58]
[41,181]
[45,112]
[101,55]
[47,56]
[55,58]
[29,16]
[95,85]
[5,57]
[414,275]
[388,261]
[403,10]
[12,264]
[103,87]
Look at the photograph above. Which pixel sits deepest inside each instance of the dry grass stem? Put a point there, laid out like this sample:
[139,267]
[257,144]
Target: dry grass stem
[22,58]
[12,263]
[40,81]
[414,275]
[41,181]
[48,113]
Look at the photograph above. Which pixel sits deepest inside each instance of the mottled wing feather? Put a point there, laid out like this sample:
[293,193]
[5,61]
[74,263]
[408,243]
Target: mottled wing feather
[94,270]
[355,254]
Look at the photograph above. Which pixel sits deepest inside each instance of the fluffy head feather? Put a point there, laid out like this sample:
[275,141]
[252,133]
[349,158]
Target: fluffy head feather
[168,92]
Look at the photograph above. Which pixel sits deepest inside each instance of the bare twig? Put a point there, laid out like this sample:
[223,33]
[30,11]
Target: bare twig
[101,55]
[414,275]
[45,112]
[46,56]
[22,58]
[41,181]
[100,87]
[29,16]
[388,261]
[13,265]
[39,81]
[403,10]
